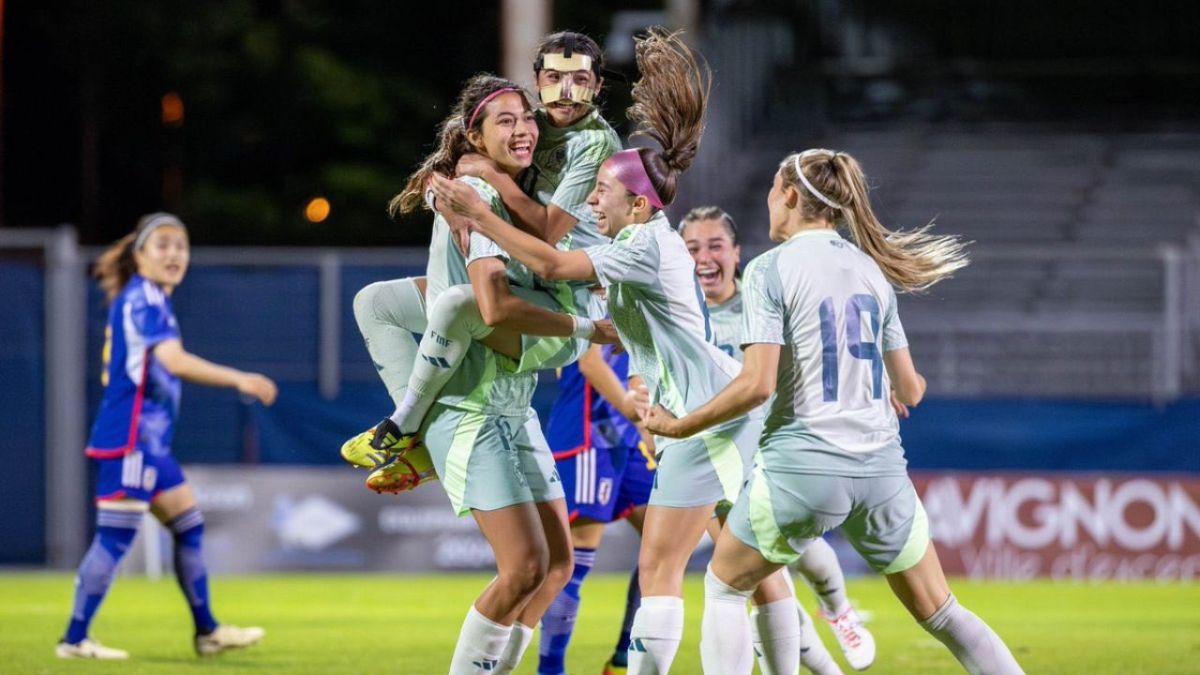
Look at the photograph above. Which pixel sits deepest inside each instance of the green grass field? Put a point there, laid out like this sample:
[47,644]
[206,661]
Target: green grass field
[376,623]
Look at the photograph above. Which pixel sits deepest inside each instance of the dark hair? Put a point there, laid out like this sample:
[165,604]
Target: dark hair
[452,139]
[711,213]
[669,103]
[116,265]
[570,42]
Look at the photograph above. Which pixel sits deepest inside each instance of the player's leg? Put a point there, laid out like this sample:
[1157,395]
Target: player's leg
[636,484]
[553,516]
[175,507]
[522,561]
[820,568]
[814,657]
[388,314]
[558,622]
[890,530]
[121,502]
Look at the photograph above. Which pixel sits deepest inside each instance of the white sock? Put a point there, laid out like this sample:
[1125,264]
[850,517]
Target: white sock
[814,657]
[388,313]
[481,643]
[823,572]
[973,642]
[518,642]
[725,630]
[454,321]
[775,632]
[655,635]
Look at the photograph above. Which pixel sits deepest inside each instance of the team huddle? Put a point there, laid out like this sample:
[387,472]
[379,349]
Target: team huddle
[759,407]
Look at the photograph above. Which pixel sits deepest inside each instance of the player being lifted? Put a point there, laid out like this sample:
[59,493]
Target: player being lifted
[657,308]
[573,141]
[711,236]
[144,361]
[822,334]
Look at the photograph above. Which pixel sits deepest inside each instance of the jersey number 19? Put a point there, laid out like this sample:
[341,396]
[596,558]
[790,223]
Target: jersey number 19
[856,306]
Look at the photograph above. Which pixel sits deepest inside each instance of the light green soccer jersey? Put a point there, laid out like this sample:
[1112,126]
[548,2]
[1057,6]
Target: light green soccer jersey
[658,309]
[726,320]
[566,161]
[483,383]
[830,307]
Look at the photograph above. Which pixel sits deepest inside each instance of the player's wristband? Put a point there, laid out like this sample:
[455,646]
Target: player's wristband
[584,327]
[430,199]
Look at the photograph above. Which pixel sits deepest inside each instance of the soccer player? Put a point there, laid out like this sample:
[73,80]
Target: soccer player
[144,361]
[573,141]
[656,305]
[607,470]
[822,334]
[482,435]
[711,237]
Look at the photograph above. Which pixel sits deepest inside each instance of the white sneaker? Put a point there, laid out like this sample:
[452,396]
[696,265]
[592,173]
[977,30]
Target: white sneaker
[227,637]
[88,648]
[856,641]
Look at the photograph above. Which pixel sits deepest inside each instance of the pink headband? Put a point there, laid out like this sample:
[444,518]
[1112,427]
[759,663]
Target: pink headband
[628,167]
[484,102]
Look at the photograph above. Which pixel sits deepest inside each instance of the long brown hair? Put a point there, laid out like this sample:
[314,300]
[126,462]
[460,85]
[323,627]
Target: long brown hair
[912,261]
[669,103]
[116,265]
[452,140]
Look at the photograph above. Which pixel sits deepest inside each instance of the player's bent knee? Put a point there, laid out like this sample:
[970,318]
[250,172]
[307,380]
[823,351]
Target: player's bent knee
[525,578]
[364,302]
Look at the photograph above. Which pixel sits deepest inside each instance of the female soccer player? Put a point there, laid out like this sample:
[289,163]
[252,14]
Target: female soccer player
[144,361]
[656,307]
[484,440]
[830,454]
[573,140]
[711,237]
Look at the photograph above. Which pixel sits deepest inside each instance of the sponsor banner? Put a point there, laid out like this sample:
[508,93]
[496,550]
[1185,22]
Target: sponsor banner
[1064,526]
[272,518]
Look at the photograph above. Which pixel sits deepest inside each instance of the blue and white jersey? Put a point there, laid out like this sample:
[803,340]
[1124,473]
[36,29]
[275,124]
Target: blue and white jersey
[830,307]
[581,419]
[141,397]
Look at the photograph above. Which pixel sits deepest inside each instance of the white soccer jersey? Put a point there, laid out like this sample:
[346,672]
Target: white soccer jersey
[834,312]
[726,320]
[658,310]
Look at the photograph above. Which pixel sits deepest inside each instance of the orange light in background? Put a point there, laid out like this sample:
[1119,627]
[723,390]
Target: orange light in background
[317,210]
[172,109]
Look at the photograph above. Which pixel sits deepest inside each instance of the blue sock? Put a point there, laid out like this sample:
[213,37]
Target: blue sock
[115,531]
[559,620]
[633,598]
[190,572]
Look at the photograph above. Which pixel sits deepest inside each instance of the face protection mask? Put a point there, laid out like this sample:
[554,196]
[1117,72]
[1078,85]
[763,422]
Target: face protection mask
[566,91]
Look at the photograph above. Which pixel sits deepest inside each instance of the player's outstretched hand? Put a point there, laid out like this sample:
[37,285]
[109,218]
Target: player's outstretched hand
[475,164]
[458,197]
[638,396]
[661,422]
[259,386]
[604,333]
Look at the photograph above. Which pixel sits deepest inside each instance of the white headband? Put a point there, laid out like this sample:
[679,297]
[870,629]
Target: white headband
[809,186]
[150,227]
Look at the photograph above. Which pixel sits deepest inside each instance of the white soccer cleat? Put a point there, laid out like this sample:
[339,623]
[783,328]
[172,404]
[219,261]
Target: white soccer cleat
[856,641]
[225,637]
[88,648]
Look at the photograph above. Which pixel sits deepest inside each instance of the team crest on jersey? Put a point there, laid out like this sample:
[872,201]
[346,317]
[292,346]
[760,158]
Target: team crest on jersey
[555,159]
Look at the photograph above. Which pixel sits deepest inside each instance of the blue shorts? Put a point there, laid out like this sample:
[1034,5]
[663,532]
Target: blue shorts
[606,485]
[137,475]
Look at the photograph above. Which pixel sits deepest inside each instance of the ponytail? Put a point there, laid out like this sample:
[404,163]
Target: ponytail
[832,187]
[116,266]
[669,104]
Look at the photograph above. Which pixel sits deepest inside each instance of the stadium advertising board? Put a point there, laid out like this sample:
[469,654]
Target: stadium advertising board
[1064,526]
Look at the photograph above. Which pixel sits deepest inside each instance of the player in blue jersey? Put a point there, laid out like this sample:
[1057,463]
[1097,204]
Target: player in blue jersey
[824,343]
[607,470]
[658,309]
[711,236]
[144,361]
